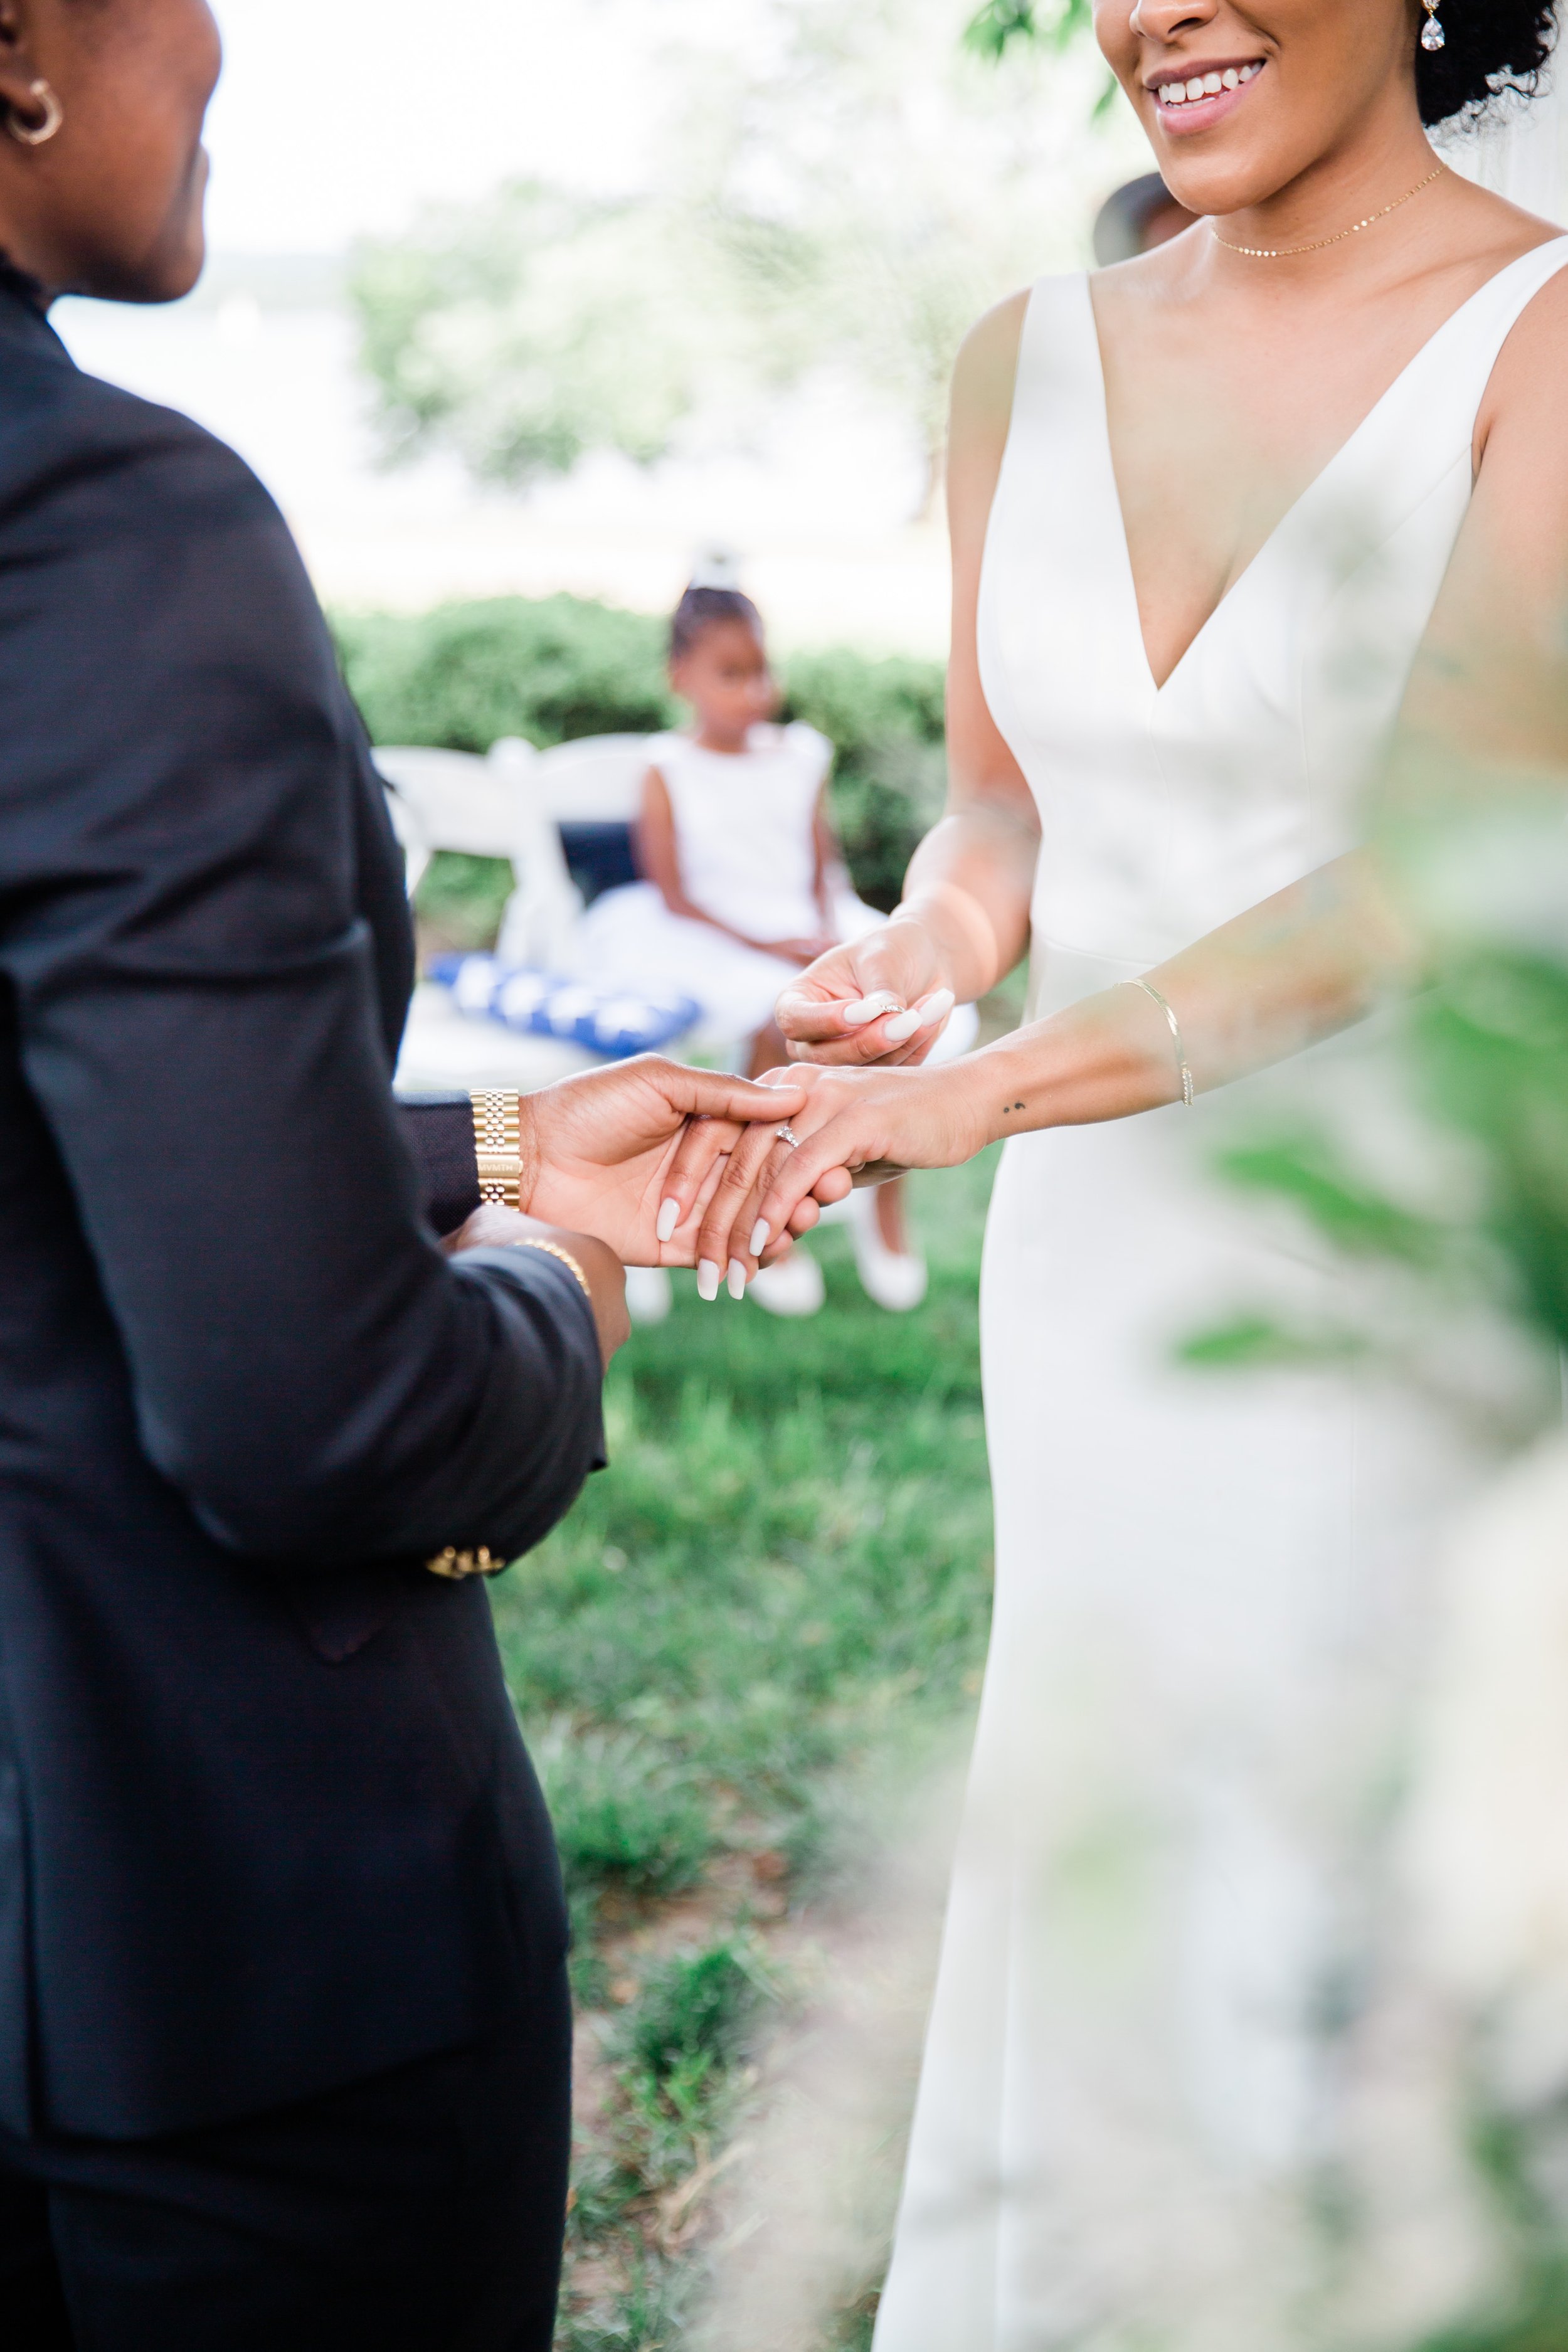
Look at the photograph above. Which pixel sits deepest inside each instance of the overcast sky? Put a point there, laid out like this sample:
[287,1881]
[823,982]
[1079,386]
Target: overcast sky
[334,117]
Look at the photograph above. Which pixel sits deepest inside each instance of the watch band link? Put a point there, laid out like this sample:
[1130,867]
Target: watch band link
[496,1148]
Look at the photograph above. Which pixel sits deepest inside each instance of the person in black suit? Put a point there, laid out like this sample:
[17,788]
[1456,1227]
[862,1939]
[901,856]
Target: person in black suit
[284,2033]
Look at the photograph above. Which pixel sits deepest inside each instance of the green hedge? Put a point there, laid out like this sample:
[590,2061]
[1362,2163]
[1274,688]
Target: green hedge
[562,666]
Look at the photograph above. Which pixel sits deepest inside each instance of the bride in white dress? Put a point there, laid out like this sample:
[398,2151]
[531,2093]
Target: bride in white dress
[1240,527]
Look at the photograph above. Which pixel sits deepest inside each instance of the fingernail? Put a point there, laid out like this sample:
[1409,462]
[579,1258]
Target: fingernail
[737,1277]
[868,1008]
[760,1236]
[707,1278]
[668,1218]
[904,1027]
[937,1007]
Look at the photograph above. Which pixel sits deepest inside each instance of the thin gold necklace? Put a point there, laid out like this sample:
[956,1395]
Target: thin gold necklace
[1287,252]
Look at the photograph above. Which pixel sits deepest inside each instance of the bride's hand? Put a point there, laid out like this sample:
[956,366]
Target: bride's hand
[598,1151]
[884,998]
[855,1126]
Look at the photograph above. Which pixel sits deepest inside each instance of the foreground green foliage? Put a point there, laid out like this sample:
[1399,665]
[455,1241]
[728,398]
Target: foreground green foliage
[1477,1226]
[784,1568]
[1484,1058]
[1000,24]
[561,666]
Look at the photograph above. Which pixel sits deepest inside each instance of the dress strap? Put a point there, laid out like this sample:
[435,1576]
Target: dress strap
[1463,352]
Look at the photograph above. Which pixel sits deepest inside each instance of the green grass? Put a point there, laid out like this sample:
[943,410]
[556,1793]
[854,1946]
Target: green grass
[785,1570]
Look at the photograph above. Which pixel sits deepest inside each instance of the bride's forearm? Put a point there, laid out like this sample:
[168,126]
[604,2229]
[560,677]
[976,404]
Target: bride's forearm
[968,887]
[1107,1058]
[1304,964]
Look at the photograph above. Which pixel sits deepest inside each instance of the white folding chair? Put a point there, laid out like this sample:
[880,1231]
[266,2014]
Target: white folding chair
[485,808]
[597,779]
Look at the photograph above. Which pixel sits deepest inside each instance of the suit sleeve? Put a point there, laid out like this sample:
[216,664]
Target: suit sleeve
[440,1132]
[196,988]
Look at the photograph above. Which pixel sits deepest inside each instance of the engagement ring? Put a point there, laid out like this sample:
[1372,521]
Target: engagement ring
[786,1134]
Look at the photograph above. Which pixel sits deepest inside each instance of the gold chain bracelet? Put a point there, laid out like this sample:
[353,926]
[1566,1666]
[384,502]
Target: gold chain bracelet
[554,1249]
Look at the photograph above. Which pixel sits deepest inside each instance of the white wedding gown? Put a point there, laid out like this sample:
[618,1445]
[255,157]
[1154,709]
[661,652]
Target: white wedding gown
[1209,1589]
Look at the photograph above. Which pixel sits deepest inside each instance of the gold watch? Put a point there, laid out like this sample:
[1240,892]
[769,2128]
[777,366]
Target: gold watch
[497,1148]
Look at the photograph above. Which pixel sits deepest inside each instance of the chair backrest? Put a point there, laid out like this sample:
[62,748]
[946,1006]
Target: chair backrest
[455,800]
[487,808]
[595,779]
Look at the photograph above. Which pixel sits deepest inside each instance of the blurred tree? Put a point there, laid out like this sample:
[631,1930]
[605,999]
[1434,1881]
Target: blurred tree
[528,330]
[886,184]
[849,197]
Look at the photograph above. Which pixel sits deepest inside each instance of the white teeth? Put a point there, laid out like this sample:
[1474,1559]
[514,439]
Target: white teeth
[1209,85]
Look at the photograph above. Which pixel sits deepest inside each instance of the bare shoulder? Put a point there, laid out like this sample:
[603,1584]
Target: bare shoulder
[1525,393]
[1539,344]
[987,366]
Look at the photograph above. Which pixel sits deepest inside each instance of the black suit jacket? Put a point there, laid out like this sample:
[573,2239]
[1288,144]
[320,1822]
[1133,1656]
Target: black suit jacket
[266,1823]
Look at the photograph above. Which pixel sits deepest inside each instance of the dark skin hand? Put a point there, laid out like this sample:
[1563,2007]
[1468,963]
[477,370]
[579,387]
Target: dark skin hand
[493,1227]
[602,1153]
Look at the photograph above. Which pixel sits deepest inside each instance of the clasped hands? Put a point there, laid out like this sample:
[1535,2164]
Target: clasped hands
[652,1164]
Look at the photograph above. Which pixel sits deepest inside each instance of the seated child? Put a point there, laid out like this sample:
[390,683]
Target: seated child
[745,886]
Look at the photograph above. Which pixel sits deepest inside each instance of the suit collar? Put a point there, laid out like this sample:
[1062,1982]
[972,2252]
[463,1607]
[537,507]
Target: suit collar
[23,315]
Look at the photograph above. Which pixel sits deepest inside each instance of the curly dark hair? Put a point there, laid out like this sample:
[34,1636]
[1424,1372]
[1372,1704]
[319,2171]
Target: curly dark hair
[1491,45]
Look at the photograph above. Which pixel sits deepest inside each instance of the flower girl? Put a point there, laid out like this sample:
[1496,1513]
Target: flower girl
[744,886]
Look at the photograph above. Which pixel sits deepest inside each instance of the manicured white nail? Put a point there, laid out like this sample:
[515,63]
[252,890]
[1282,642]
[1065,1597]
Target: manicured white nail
[668,1218]
[869,1008]
[707,1278]
[737,1277]
[904,1027]
[760,1236]
[937,1008]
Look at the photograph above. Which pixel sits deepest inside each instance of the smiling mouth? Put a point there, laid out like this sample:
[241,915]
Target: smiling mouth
[1198,91]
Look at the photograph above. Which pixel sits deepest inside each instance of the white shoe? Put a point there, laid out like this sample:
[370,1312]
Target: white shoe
[895,1280]
[793,1286]
[649,1294]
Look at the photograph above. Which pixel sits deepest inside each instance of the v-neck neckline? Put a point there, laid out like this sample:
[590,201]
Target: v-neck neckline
[1308,489]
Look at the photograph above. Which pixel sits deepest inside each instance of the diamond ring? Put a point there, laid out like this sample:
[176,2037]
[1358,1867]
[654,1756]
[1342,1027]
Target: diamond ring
[786,1134]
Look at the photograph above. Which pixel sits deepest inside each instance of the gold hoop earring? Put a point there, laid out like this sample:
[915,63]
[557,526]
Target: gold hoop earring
[38,134]
[1432,33]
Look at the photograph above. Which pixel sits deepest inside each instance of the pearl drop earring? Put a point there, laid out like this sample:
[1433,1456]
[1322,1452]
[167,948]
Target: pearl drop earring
[1432,33]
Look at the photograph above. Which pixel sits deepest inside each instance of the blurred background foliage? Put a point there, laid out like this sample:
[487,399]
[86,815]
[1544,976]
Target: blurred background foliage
[467,673]
[845,197]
